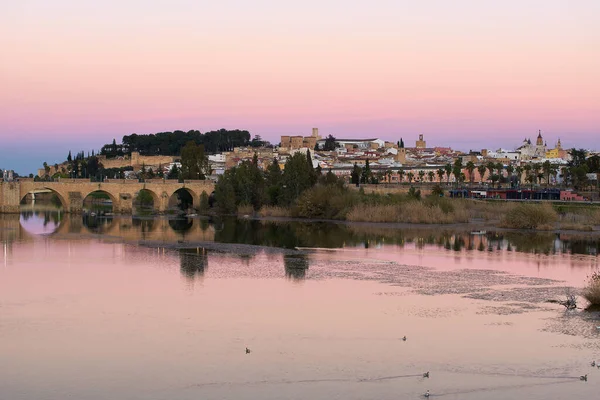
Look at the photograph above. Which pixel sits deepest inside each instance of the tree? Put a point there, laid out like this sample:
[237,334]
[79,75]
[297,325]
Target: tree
[457,169]
[448,170]
[273,182]
[194,163]
[329,143]
[519,172]
[204,205]
[69,158]
[173,172]
[491,166]
[440,173]
[366,173]
[355,175]
[296,178]
[410,176]
[313,174]
[470,167]
[421,175]
[431,175]
[481,168]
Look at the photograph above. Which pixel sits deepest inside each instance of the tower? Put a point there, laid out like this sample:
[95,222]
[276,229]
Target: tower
[421,144]
[558,145]
[540,140]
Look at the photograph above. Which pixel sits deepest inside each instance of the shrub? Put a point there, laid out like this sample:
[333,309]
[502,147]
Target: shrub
[592,291]
[274,211]
[203,206]
[328,202]
[530,216]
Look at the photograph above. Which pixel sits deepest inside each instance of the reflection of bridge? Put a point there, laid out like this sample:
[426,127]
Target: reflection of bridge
[126,228]
[72,192]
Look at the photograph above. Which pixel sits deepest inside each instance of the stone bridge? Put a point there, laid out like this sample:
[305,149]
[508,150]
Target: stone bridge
[122,192]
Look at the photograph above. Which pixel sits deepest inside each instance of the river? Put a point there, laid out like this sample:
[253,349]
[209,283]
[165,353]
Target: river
[158,308]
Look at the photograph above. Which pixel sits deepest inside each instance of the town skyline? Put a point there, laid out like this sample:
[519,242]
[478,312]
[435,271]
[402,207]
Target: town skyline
[24,164]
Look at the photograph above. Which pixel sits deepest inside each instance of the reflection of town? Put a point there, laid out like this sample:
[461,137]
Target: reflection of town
[179,232]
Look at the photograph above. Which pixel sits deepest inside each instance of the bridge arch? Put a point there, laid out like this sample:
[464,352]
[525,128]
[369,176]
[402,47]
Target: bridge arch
[63,203]
[146,200]
[183,198]
[101,193]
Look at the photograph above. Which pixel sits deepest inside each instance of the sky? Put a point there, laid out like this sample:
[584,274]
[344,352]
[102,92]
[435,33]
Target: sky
[470,74]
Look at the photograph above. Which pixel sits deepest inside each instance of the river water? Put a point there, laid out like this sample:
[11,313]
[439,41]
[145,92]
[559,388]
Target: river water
[125,308]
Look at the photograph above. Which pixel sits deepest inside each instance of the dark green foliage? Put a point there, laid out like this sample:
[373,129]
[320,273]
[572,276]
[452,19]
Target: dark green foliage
[173,173]
[326,201]
[366,174]
[203,206]
[329,143]
[273,182]
[239,186]
[297,177]
[414,193]
[356,175]
[171,143]
[194,163]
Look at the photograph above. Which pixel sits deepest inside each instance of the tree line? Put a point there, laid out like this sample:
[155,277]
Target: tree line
[171,143]
[248,185]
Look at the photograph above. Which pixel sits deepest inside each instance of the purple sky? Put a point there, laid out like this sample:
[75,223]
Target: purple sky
[467,74]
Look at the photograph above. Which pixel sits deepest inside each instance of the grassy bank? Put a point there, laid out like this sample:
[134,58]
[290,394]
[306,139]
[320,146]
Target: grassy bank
[340,203]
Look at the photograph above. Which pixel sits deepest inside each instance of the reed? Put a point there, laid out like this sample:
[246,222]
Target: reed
[530,216]
[274,211]
[414,212]
[592,290]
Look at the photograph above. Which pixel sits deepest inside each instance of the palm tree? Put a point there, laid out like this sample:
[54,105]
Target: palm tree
[509,171]
[481,169]
[448,169]
[528,173]
[400,175]
[519,171]
[431,175]
[421,175]
[490,167]
[440,174]
[410,176]
[470,167]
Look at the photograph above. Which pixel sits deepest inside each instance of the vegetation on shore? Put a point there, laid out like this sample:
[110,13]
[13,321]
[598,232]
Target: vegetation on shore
[302,191]
[591,291]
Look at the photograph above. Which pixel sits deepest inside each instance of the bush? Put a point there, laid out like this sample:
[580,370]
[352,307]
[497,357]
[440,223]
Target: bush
[274,211]
[592,291]
[328,202]
[530,216]
[203,206]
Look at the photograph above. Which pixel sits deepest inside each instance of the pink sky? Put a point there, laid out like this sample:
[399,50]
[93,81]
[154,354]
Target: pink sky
[77,74]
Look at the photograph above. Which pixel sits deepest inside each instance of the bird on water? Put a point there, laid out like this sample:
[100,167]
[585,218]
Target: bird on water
[247,350]
[583,378]
[404,338]
[426,374]
[426,394]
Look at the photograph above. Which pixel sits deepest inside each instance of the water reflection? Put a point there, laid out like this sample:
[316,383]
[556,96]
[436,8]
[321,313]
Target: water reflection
[301,234]
[42,221]
[97,224]
[193,263]
[295,266]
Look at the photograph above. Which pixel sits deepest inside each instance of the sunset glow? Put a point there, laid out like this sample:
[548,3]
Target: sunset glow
[467,74]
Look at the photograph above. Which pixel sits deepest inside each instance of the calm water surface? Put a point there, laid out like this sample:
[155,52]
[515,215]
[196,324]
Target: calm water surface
[126,308]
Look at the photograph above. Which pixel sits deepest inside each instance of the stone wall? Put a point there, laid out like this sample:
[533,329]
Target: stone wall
[9,197]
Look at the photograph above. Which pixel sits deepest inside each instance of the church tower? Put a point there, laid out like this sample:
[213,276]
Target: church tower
[540,140]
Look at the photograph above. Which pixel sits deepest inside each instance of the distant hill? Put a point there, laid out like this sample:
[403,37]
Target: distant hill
[170,143]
